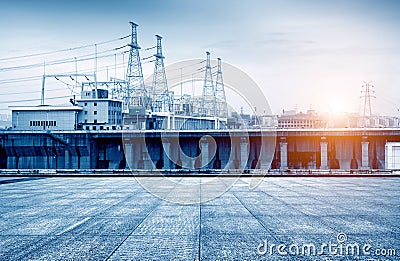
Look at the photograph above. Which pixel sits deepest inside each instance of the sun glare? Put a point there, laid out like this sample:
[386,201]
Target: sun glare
[337,105]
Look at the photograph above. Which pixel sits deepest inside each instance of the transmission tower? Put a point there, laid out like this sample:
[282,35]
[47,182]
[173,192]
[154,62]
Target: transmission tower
[161,98]
[220,94]
[208,104]
[135,93]
[367,95]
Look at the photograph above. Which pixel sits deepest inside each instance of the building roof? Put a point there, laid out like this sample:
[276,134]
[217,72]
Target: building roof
[45,108]
[98,100]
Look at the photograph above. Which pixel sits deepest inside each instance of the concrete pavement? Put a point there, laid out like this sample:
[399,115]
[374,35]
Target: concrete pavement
[215,218]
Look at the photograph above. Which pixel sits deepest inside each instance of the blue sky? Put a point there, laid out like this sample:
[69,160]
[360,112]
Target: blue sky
[304,53]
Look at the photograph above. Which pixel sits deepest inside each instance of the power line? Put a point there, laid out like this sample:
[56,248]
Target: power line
[85,57]
[57,62]
[30,100]
[18,93]
[62,50]
[36,77]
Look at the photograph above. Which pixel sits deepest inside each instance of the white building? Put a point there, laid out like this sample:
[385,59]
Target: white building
[45,117]
[99,112]
[91,112]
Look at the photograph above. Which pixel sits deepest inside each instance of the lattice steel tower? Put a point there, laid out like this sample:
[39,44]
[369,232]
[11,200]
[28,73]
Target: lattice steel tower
[135,93]
[208,104]
[220,94]
[368,94]
[161,98]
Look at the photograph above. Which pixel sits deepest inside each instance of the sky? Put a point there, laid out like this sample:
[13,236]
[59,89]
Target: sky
[302,54]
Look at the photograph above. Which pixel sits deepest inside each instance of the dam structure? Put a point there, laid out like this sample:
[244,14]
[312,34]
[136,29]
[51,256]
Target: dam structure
[358,149]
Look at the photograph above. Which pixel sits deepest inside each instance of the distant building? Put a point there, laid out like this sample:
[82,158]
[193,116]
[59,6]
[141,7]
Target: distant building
[379,122]
[293,120]
[310,120]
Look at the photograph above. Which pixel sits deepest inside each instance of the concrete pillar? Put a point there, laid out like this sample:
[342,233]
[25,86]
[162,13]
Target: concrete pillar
[204,153]
[267,150]
[244,153]
[364,153]
[166,152]
[67,164]
[11,162]
[147,162]
[74,162]
[168,122]
[173,122]
[129,155]
[284,154]
[324,153]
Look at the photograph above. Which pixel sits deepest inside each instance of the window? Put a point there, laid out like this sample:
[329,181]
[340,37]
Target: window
[85,120]
[101,127]
[94,127]
[95,104]
[30,123]
[55,123]
[85,112]
[85,103]
[87,127]
[95,112]
[95,121]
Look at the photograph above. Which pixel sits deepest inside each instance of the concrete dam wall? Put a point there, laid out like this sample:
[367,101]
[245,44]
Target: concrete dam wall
[255,149]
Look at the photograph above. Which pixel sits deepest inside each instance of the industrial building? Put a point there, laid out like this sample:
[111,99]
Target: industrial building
[91,112]
[46,118]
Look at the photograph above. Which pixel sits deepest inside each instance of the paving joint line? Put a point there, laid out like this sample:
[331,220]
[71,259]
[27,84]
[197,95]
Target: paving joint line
[133,230]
